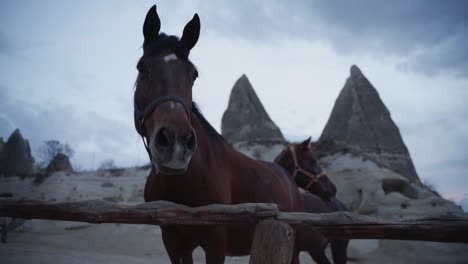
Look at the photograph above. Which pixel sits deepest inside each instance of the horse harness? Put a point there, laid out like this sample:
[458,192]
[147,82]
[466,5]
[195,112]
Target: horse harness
[298,169]
[147,110]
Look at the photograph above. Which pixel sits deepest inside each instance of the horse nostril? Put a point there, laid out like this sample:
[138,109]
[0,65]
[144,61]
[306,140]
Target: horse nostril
[191,141]
[164,138]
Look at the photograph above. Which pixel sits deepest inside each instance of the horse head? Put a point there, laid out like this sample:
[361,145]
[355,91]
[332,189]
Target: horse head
[299,161]
[163,95]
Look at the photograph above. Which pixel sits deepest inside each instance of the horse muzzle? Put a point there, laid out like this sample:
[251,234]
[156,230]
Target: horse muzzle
[172,152]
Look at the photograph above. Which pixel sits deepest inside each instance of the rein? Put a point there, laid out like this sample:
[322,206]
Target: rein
[298,169]
[147,110]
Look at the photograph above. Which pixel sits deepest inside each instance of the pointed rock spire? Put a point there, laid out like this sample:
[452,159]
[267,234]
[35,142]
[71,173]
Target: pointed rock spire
[60,162]
[355,71]
[245,119]
[360,120]
[15,156]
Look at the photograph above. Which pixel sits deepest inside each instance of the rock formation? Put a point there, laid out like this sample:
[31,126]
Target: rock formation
[15,156]
[61,162]
[369,189]
[360,122]
[245,119]
[1,144]
[364,155]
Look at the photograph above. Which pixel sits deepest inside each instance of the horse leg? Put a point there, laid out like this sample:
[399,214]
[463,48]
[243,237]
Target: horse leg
[214,258]
[178,247]
[214,245]
[187,259]
[295,257]
[317,251]
[4,232]
[314,243]
[339,248]
[177,257]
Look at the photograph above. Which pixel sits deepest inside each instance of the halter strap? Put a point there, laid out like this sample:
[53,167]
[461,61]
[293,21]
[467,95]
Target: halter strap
[148,109]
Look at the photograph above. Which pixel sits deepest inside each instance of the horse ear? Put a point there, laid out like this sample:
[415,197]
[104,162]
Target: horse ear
[306,143]
[191,33]
[152,25]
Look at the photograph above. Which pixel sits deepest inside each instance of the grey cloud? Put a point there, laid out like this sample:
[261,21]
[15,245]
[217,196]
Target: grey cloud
[431,34]
[93,137]
[5,46]
[443,156]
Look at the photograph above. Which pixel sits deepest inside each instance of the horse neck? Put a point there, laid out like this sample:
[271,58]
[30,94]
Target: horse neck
[287,162]
[210,149]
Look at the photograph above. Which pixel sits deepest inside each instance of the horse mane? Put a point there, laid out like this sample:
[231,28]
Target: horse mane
[211,131]
[165,42]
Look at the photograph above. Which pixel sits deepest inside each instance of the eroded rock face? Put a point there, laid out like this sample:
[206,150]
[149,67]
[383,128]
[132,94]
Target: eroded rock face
[245,119]
[61,162]
[15,156]
[361,121]
[267,152]
[367,188]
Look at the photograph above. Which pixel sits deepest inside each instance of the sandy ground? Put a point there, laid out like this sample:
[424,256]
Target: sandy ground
[41,241]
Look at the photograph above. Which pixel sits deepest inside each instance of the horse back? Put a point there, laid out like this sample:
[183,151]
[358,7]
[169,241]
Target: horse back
[263,182]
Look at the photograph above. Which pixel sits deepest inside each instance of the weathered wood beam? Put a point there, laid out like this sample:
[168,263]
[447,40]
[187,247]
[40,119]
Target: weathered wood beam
[338,225]
[153,213]
[347,225]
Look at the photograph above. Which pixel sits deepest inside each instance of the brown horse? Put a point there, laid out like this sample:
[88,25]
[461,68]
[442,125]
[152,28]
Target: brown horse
[192,164]
[299,161]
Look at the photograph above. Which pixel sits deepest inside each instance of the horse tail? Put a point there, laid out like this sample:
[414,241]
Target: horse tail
[339,251]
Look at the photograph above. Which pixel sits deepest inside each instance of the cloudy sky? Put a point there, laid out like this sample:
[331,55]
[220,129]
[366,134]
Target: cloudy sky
[68,70]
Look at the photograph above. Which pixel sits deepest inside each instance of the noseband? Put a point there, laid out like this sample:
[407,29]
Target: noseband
[147,110]
[298,169]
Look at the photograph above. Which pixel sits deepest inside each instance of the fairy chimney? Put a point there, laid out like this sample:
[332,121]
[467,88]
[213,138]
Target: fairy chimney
[361,121]
[245,119]
[60,162]
[15,156]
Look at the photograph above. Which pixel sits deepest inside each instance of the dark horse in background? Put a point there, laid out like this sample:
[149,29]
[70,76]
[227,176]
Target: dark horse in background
[192,164]
[299,161]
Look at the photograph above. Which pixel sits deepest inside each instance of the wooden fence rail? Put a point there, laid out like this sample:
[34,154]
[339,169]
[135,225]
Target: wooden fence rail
[338,225]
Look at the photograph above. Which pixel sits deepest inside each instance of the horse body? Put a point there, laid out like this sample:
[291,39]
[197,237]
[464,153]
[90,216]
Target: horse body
[300,162]
[191,163]
[220,175]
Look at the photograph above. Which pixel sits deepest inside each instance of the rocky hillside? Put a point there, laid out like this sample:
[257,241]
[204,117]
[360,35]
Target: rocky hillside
[16,159]
[364,154]
[360,148]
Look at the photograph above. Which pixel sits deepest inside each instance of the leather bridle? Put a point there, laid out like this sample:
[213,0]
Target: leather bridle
[147,110]
[298,169]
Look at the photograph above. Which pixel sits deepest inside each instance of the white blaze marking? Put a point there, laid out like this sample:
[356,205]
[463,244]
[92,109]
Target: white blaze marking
[170,57]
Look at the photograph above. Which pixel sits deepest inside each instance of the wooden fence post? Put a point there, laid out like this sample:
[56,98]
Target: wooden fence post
[273,243]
